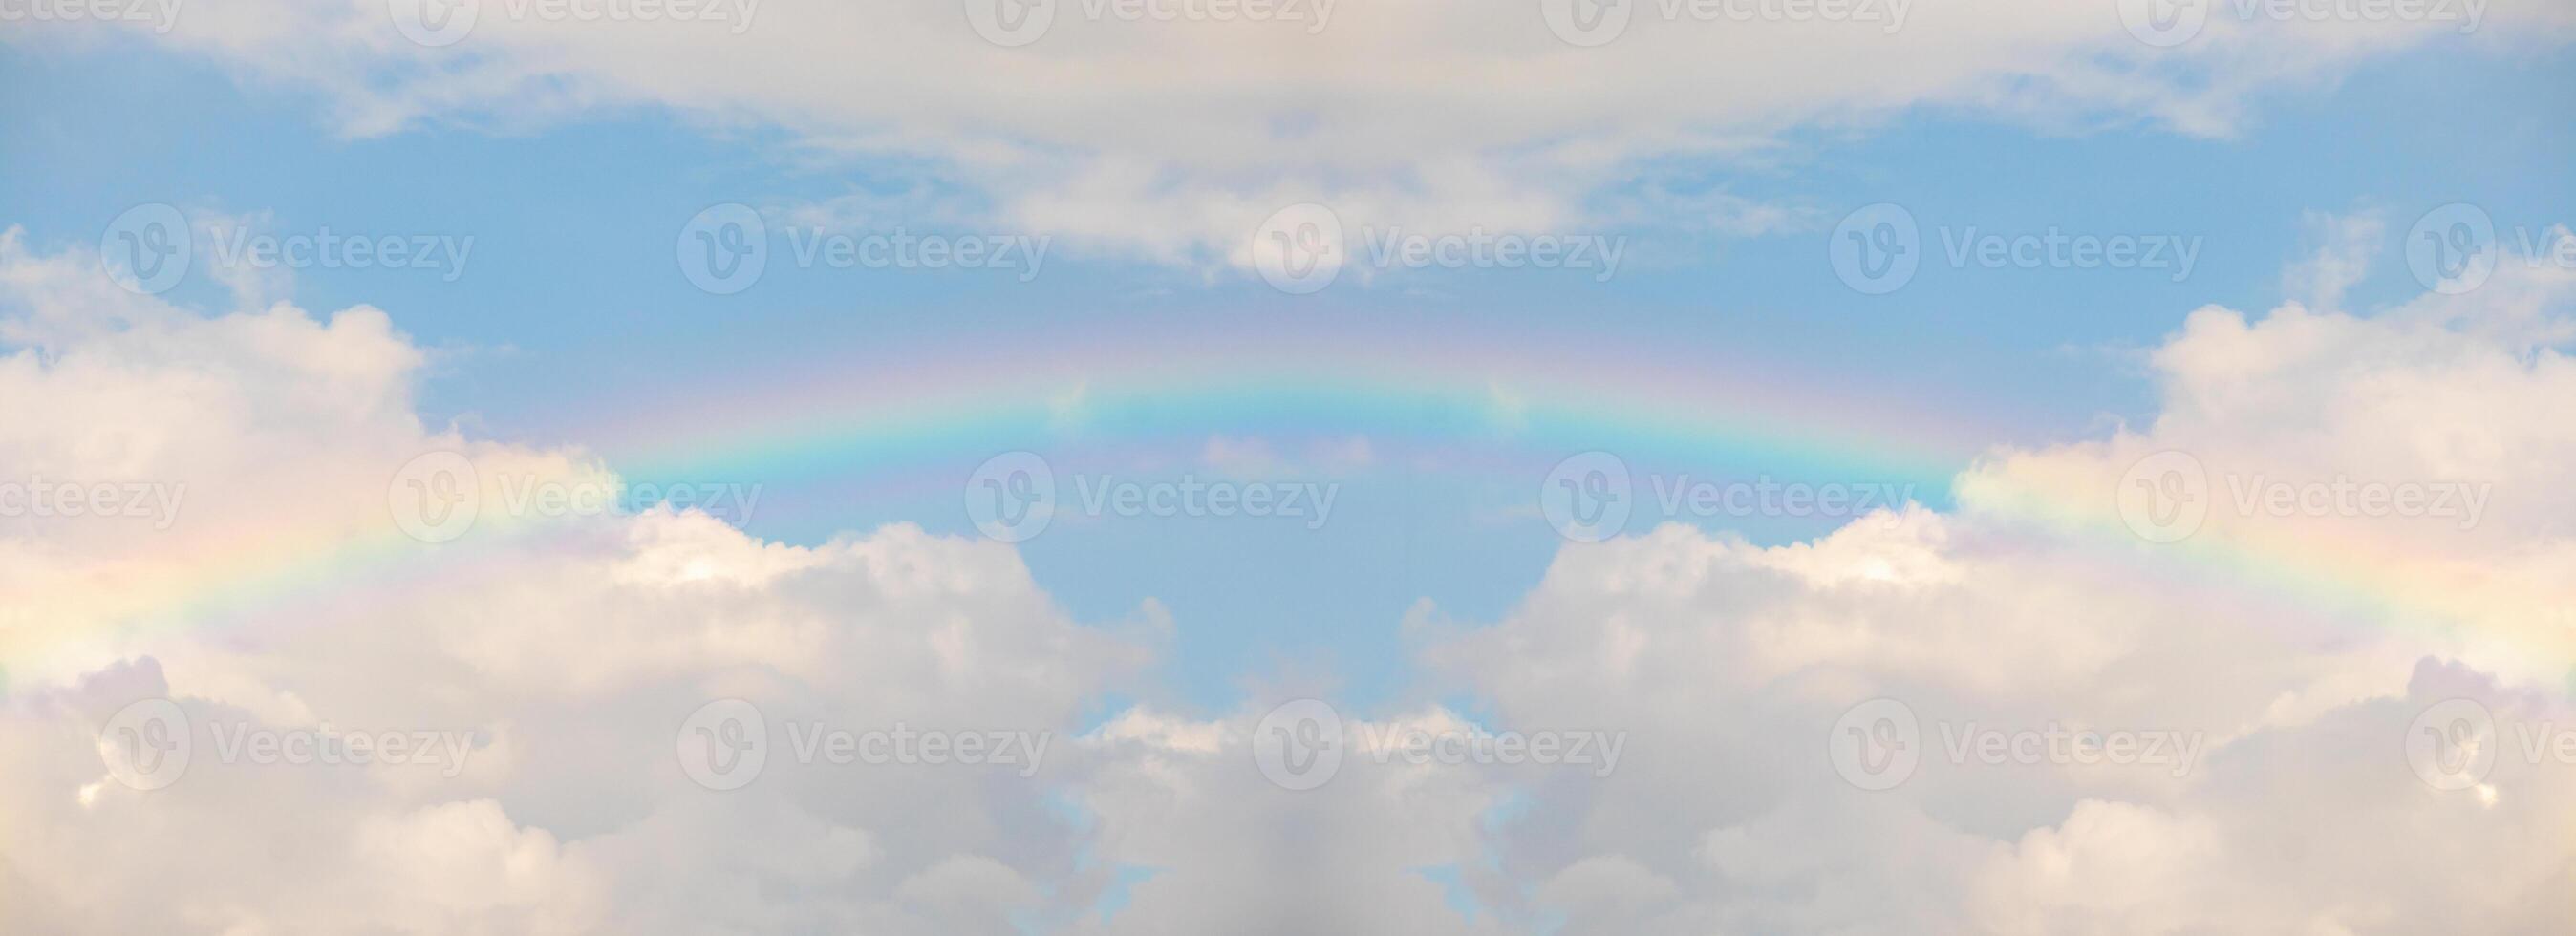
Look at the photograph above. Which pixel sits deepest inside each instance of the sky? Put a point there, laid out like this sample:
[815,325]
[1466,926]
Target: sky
[1774,388]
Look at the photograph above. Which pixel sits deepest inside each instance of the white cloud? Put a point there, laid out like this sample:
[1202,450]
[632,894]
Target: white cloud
[1431,117]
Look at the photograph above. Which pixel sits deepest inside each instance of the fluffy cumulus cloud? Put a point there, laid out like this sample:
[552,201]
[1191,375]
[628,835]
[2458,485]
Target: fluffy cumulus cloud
[2121,688]
[517,689]
[2294,657]
[1059,116]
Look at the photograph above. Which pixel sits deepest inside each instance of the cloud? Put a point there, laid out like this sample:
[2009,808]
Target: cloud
[1437,118]
[2283,666]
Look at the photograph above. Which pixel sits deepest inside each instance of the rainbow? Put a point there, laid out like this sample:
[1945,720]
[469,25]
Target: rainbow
[913,423]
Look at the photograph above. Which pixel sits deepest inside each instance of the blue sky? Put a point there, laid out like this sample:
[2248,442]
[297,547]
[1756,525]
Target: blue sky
[569,310]
[1517,659]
